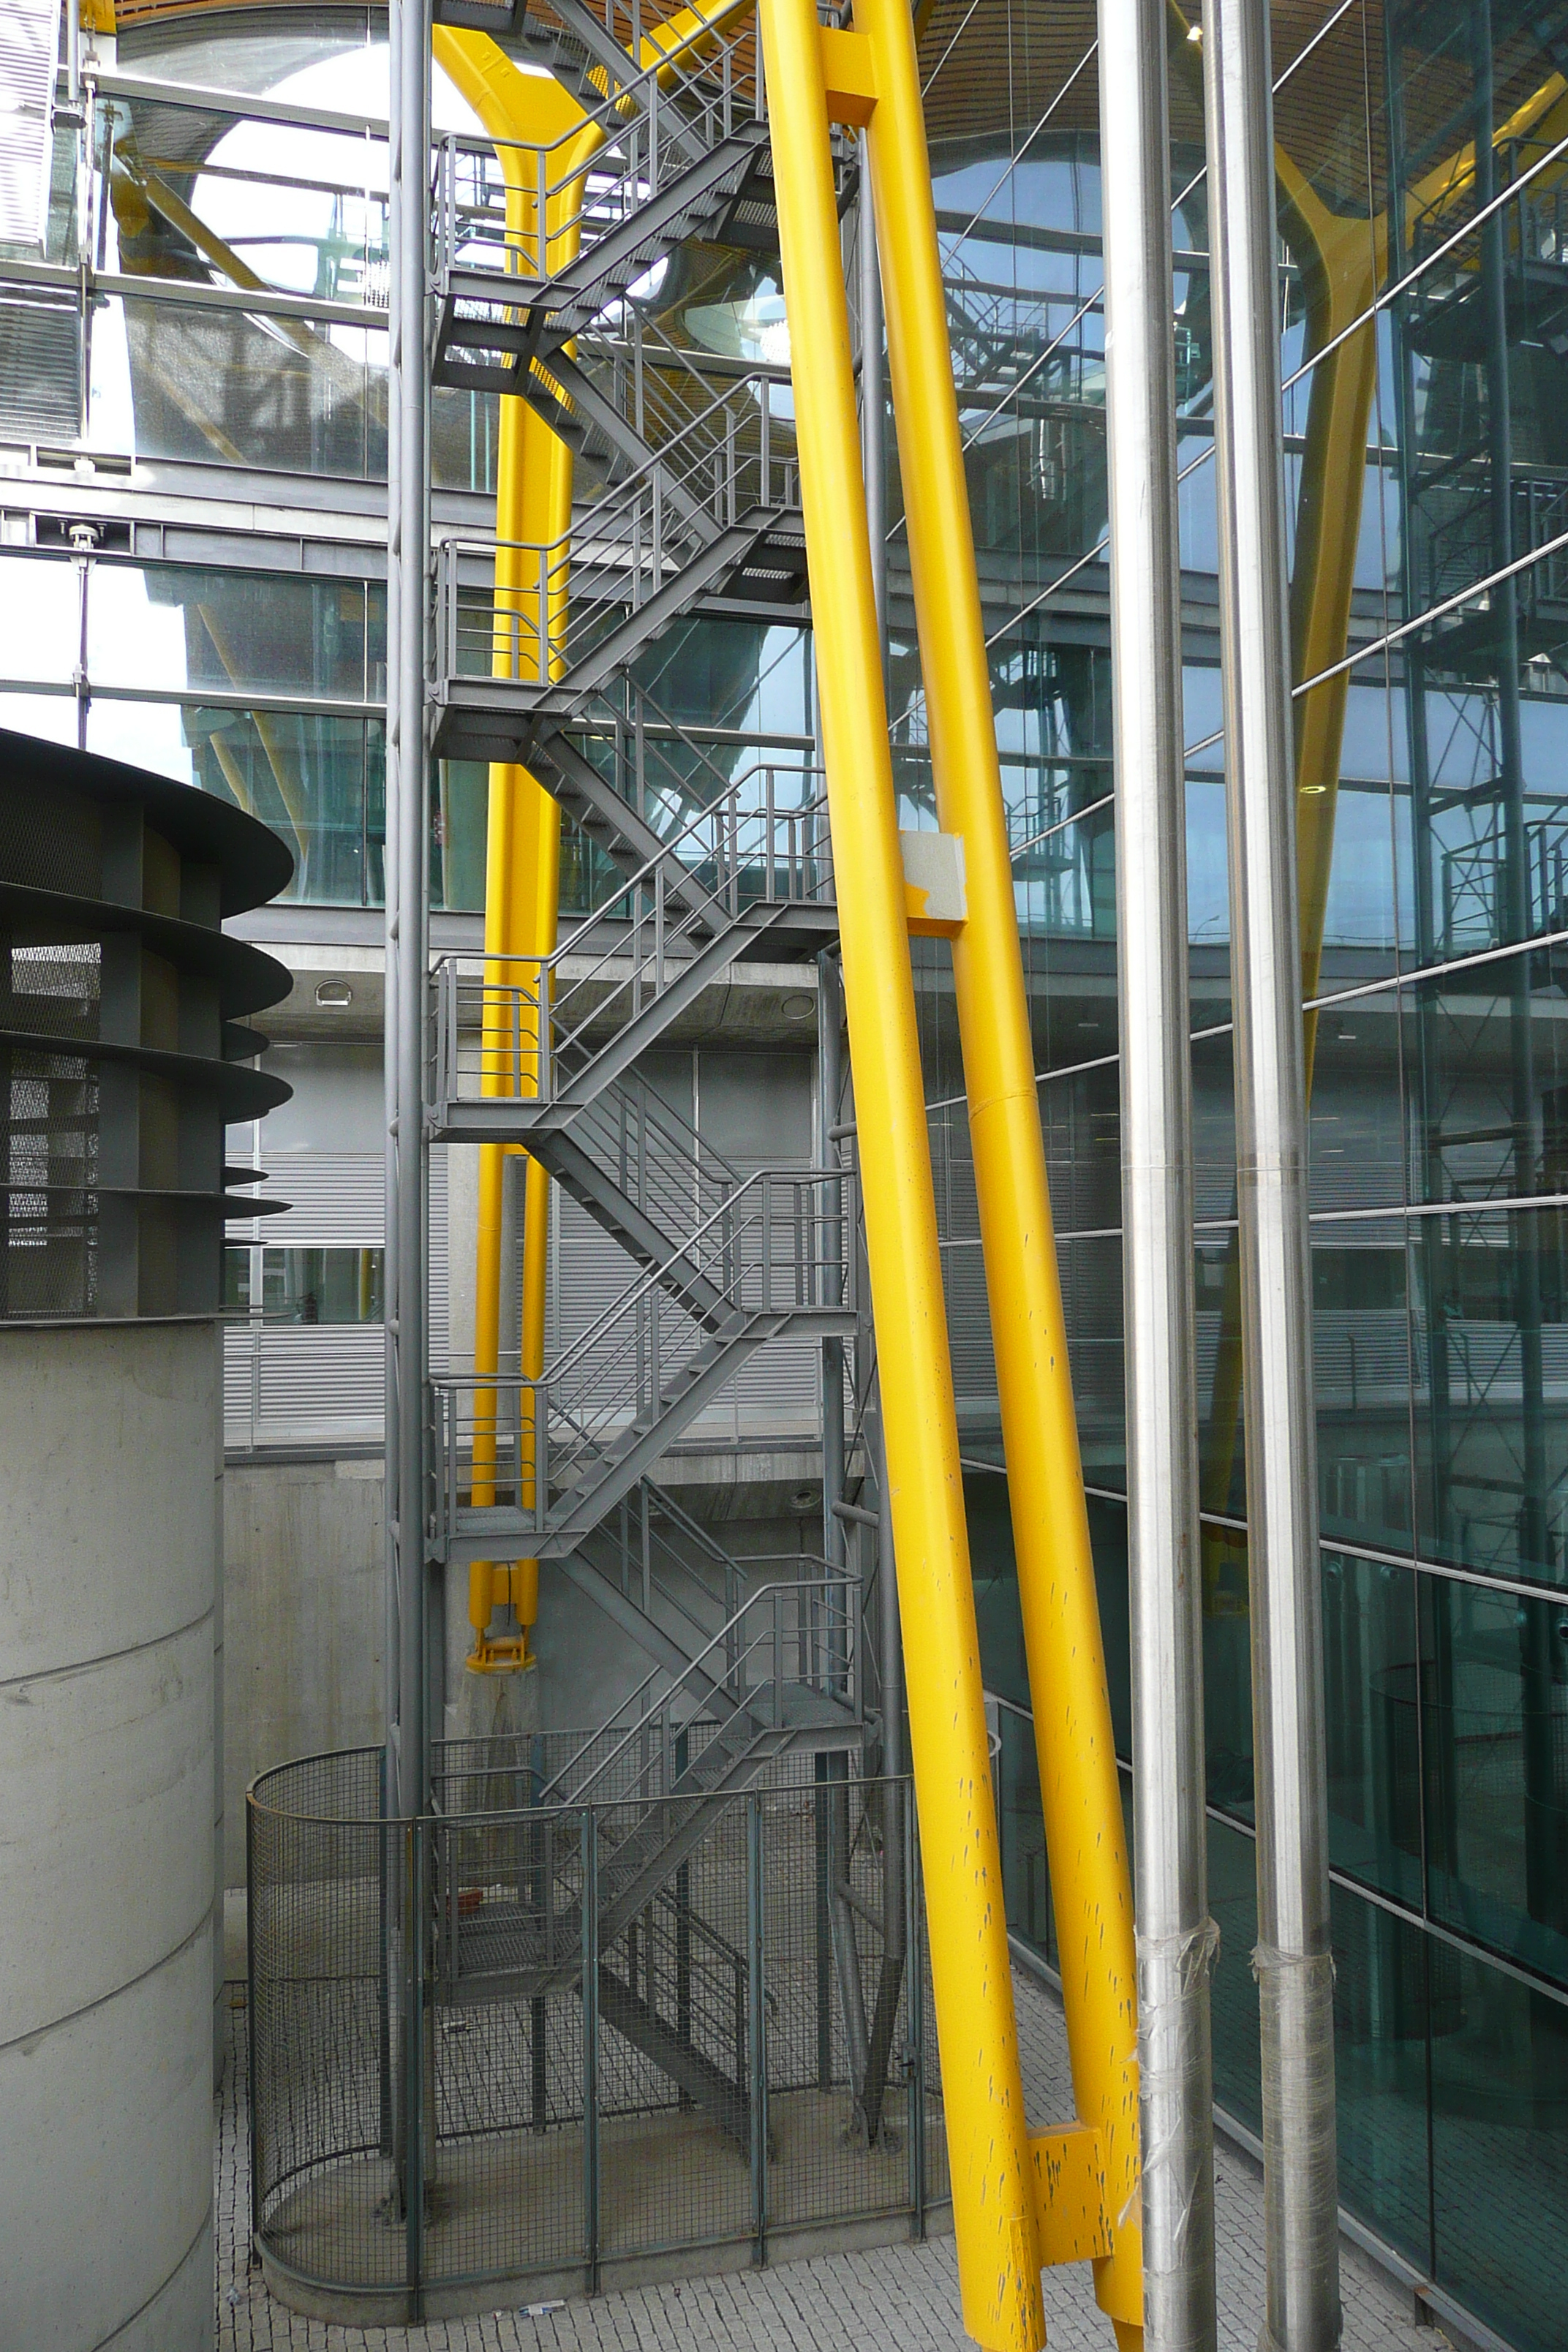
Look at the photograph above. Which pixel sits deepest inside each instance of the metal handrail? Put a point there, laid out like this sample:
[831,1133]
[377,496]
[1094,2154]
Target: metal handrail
[526,1035]
[735,1655]
[721,463]
[613,1372]
[641,118]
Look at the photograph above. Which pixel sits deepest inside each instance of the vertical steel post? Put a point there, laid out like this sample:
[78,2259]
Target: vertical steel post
[407,537]
[1175,1936]
[823,1857]
[758,2051]
[590,1834]
[1293,1961]
[831,1288]
[409,541]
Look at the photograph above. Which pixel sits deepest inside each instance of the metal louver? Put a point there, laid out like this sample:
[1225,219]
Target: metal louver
[29,45]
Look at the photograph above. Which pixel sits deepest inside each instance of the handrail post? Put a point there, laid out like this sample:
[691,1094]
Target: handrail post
[755,1912]
[590,2050]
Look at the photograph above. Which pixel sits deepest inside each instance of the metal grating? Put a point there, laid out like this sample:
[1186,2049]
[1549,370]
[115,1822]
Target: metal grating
[642,2028]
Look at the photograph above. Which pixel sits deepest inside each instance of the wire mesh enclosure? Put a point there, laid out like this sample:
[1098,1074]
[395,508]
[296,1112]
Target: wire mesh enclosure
[525,2044]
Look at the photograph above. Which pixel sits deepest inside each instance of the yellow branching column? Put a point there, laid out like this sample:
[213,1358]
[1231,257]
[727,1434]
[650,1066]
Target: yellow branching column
[523,855]
[1079,1792]
[992,2194]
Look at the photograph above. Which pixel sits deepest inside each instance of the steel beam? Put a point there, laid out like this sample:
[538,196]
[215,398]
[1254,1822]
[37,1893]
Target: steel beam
[408,541]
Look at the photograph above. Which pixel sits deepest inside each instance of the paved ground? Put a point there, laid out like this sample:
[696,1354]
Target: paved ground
[905,2297]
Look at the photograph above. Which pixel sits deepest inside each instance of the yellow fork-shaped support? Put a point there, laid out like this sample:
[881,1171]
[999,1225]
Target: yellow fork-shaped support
[522,849]
[1072,2194]
[524,113]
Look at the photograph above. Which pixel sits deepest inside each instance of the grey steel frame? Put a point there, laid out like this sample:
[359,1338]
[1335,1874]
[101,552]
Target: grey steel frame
[407,564]
[1176,1937]
[1293,1961]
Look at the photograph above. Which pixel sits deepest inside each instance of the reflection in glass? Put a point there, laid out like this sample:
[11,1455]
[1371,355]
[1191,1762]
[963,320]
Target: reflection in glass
[306,1286]
[1491,1348]
[1494,1741]
[1374,1765]
[1390,1978]
[1499,2150]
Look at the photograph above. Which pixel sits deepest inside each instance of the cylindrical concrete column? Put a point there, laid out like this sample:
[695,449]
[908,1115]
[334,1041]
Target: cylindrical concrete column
[108,1583]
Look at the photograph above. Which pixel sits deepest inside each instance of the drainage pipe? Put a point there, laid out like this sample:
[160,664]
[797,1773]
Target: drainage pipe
[1293,1962]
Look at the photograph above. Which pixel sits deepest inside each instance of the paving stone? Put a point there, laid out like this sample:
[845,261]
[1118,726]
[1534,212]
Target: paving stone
[905,2296]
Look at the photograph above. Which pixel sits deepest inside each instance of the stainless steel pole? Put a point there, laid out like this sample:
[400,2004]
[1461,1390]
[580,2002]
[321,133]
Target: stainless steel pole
[1176,1937]
[1293,1962]
[408,542]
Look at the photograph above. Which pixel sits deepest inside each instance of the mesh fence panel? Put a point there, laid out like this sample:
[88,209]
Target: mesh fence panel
[642,2028]
[326,1882]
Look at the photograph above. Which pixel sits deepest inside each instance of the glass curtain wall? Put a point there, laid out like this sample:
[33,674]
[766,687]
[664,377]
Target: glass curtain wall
[1424,208]
[1425,291]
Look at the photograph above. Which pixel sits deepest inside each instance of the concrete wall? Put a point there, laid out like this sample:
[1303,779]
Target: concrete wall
[302,1620]
[303,1617]
[108,1586]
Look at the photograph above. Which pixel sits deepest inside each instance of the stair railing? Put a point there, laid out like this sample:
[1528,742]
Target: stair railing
[798,1632]
[542,1025]
[656,126]
[772,1246]
[732,462]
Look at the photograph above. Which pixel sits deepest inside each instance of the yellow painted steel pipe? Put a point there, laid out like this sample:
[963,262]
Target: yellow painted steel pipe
[998,2245]
[1079,1790]
[524,113]
[533,508]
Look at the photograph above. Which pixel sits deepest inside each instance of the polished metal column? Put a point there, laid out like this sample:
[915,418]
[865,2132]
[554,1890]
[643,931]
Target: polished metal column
[1292,1963]
[408,553]
[1175,1936]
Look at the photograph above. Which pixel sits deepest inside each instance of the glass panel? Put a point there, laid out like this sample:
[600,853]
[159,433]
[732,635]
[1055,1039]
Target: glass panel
[41,599]
[236,1279]
[1025,1877]
[168,625]
[1373,1763]
[1494,1743]
[322,1285]
[1360,1348]
[1382,1988]
[317,781]
[1233,1907]
[1092,1306]
[1490,1304]
[1500,2148]
[1356,1121]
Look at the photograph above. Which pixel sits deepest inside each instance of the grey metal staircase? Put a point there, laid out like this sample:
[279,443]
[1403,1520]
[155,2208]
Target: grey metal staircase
[681,136]
[688,503]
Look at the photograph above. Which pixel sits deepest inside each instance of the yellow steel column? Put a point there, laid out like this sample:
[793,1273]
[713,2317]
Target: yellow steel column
[998,2247]
[1078,1783]
[533,508]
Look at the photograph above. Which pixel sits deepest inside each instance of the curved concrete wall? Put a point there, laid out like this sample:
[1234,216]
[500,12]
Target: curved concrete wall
[108,1575]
